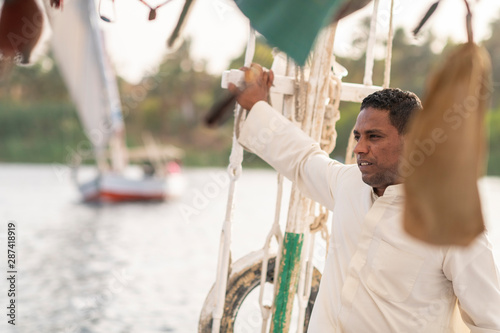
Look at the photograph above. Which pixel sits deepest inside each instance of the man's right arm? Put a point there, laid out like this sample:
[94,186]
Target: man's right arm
[291,152]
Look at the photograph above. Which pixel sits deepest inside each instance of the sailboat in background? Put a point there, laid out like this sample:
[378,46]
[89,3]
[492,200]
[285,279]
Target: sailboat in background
[78,48]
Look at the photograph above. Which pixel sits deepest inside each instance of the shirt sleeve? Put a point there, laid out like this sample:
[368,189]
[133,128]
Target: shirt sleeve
[291,152]
[476,283]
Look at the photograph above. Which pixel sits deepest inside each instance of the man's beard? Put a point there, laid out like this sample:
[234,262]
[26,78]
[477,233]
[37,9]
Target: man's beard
[383,178]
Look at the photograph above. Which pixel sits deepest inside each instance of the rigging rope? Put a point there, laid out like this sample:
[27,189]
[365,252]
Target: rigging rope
[388,58]
[234,171]
[276,233]
[300,94]
[332,115]
[307,107]
[370,55]
[281,66]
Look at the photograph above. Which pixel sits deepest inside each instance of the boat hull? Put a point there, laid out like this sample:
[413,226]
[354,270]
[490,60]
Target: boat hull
[108,187]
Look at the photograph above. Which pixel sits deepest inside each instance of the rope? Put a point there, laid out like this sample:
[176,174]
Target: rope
[234,171]
[332,115]
[328,142]
[276,233]
[319,117]
[370,55]
[320,225]
[186,10]
[388,58]
[349,154]
[305,281]
[468,23]
[300,94]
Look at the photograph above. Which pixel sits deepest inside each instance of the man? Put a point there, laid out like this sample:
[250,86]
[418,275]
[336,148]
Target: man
[376,277]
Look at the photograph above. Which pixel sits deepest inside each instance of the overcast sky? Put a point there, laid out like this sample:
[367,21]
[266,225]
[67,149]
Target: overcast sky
[219,30]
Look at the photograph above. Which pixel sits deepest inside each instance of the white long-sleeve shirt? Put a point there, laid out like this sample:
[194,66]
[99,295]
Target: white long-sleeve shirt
[377,278]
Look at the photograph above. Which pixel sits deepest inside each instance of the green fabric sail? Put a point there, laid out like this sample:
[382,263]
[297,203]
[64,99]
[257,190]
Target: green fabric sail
[290,25]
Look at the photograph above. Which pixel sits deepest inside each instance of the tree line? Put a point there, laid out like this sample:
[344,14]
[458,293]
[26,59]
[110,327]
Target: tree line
[38,122]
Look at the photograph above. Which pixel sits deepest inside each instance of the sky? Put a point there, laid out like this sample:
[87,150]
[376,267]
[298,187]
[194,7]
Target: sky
[219,31]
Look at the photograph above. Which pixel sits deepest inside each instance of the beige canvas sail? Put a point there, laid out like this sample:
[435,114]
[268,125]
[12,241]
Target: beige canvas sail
[78,47]
[445,151]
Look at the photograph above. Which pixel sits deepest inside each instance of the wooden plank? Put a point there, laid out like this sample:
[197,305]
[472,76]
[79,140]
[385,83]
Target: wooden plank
[351,92]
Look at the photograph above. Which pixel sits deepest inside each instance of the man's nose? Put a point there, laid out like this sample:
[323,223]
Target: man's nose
[361,147]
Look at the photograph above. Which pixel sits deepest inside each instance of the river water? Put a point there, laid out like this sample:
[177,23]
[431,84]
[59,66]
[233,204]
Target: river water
[132,267]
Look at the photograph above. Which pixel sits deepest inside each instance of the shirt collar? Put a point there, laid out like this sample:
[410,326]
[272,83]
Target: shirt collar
[394,190]
[374,196]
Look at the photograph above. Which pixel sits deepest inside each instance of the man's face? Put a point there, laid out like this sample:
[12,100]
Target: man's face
[378,149]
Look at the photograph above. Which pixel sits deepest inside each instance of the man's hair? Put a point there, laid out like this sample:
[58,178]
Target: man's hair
[402,106]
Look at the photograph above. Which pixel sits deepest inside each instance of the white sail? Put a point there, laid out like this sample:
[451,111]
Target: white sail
[78,48]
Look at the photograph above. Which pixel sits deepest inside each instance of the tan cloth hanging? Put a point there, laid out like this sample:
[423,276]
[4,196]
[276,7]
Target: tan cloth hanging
[445,151]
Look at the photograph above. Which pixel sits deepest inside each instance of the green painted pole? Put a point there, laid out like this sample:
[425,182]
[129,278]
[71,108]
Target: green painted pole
[288,278]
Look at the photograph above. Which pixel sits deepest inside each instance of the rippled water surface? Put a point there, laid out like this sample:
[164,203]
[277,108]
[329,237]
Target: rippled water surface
[131,267]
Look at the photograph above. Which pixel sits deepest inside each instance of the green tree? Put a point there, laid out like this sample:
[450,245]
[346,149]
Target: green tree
[176,99]
[38,82]
[263,55]
[492,44]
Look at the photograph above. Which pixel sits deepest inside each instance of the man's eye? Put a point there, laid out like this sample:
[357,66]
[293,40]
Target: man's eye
[356,137]
[374,136]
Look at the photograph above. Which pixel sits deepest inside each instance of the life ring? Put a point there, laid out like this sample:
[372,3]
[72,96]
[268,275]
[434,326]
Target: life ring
[244,277]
